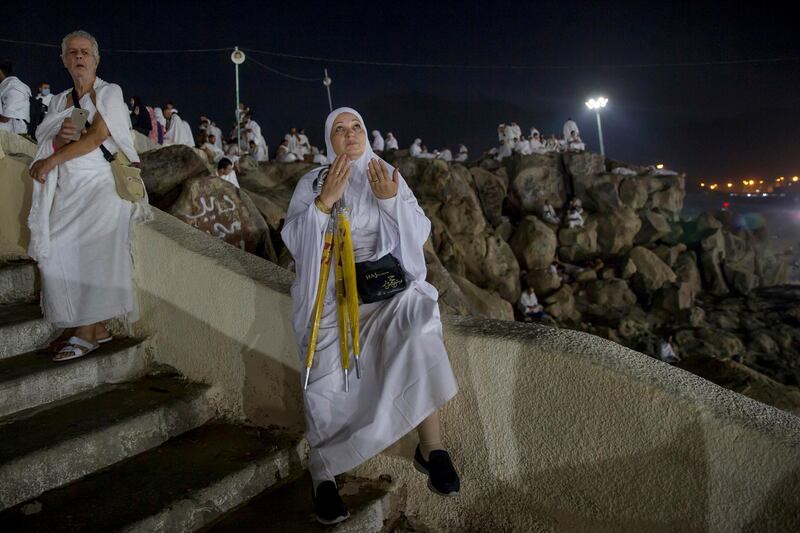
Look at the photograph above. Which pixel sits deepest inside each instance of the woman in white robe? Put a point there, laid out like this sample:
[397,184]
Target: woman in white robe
[391,142]
[415,150]
[406,374]
[378,144]
[79,224]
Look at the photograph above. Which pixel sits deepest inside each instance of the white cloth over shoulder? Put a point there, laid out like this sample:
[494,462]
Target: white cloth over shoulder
[406,374]
[415,150]
[15,105]
[378,144]
[230,178]
[179,131]
[79,224]
[569,127]
[391,142]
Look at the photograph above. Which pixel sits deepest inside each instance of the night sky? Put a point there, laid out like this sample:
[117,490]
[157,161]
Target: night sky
[711,121]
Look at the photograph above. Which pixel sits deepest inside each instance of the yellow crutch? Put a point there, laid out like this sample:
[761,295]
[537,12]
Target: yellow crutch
[316,313]
[351,291]
[341,311]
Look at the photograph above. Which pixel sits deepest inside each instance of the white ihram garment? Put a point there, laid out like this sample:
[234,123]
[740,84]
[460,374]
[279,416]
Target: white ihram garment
[179,132]
[378,144]
[391,142]
[406,375]
[15,105]
[569,127]
[79,224]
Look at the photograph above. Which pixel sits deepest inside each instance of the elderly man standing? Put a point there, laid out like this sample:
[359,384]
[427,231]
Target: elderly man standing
[79,224]
[15,105]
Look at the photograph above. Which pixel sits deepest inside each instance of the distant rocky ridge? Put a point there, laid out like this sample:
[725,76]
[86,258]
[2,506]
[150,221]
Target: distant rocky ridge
[645,273]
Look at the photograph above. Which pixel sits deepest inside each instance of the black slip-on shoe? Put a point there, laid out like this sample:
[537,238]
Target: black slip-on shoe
[442,476]
[328,505]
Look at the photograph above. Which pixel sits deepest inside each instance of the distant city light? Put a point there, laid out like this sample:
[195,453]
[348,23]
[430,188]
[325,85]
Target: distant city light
[702,184]
[660,166]
[794,178]
[730,185]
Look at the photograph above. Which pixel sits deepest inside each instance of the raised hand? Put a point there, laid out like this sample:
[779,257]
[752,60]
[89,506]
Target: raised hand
[383,186]
[336,181]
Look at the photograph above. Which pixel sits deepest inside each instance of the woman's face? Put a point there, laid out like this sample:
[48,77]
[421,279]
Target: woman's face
[348,136]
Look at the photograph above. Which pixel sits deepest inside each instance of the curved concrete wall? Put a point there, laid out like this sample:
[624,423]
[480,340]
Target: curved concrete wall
[552,429]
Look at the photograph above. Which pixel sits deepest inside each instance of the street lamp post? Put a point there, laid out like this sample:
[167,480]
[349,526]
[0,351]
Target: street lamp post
[238,58]
[326,81]
[597,104]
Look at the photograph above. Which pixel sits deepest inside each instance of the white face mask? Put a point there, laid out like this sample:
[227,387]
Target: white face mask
[45,92]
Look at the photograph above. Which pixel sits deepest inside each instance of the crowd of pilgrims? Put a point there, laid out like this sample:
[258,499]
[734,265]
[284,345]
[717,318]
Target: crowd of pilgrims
[165,125]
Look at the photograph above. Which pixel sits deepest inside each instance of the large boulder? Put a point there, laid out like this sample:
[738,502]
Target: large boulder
[143,143]
[584,163]
[492,192]
[710,267]
[633,193]
[616,231]
[500,268]
[163,170]
[654,226]
[686,271]
[578,244]
[651,272]
[544,281]
[561,305]
[271,187]
[452,300]
[220,209]
[599,192]
[534,179]
[534,243]
[669,254]
[605,298]
[670,197]
[674,298]
[484,303]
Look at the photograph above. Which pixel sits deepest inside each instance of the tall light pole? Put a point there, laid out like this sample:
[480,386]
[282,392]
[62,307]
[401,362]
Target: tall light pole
[326,81]
[238,58]
[597,104]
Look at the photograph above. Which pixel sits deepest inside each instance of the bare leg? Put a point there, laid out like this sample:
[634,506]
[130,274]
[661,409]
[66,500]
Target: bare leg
[430,435]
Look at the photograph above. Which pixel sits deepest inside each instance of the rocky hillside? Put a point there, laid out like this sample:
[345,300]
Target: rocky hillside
[635,273]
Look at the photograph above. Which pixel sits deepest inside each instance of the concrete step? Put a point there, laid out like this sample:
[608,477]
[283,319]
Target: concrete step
[33,379]
[22,329]
[57,443]
[19,282]
[374,505]
[180,486]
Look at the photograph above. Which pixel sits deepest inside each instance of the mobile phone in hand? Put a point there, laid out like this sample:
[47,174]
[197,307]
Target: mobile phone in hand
[79,118]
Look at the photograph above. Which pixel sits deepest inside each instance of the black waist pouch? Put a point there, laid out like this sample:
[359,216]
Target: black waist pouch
[380,280]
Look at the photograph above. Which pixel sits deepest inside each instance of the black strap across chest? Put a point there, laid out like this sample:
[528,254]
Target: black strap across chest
[77,103]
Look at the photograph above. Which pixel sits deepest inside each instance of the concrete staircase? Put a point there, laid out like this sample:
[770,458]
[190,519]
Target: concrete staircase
[110,442]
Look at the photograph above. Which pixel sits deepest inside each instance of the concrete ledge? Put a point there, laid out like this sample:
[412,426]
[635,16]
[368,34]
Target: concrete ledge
[18,283]
[22,329]
[33,379]
[85,433]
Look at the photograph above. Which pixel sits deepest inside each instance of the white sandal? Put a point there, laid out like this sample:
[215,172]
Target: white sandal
[76,347]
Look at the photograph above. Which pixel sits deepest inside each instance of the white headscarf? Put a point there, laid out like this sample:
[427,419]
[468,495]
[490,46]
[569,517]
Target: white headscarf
[359,166]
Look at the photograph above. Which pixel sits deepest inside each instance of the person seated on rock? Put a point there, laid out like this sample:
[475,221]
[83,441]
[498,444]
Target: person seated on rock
[391,142]
[15,103]
[463,153]
[232,147]
[425,154]
[510,136]
[552,143]
[318,157]
[258,152]
[140,118]
[505,150]
[293,143]
[666,353]
[576,204]
[207,145]
[211,129]
[575,144]
[416,148]
[378,144]
[501,132]
[569,127]
[523,146]
[549,213]
[226,172]
[44,95]
[574,219]
[284,155]
[529,305]
[305,145]
[406,363]
[445,155]
[178,130]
